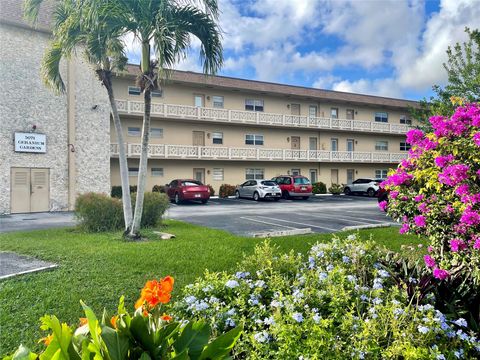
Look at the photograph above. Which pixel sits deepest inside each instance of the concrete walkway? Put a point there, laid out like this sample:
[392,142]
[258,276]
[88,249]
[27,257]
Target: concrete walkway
[36,221]
[12,264]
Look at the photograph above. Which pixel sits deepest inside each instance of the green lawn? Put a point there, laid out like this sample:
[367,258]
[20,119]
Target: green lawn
[98,268]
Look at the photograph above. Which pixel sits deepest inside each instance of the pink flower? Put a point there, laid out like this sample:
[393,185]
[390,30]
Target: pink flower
[476,244]
[462,190]
[414,136]
[470,217]
[422,208]
[457,245]
[420,221]
[440,274]
[383,205]
[441,161]
[429,261]
[405,228]
[476,139]
[449,208]
[419,198]
[393,194]
[429,249]
[454,174]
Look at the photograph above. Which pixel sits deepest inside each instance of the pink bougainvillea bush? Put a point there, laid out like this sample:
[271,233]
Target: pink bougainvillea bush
[436,193]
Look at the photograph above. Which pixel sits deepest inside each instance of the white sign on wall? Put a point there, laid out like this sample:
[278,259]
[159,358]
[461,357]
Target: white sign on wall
[30,142]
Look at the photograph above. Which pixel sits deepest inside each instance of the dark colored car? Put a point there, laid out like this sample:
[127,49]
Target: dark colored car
[187,189]
[294,186]
[382,195]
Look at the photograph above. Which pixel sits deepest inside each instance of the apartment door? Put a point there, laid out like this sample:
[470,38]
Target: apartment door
[350,145]
[295,140]
[199,100]
[199,175]
[295,108]
[350,176]
[313,143]
[334,176]
[198,138]
[350,114]
[313,175]
[30,190]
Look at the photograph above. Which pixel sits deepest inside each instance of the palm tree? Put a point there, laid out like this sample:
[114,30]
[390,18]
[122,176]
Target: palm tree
[73,27]
[167,25]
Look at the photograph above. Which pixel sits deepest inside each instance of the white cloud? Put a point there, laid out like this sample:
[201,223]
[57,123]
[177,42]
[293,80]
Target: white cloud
[382,87]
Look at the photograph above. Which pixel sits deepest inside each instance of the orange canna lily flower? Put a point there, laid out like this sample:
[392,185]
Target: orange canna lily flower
[113,321]
[166,317]
[155,292]
[83,321]
[47,340]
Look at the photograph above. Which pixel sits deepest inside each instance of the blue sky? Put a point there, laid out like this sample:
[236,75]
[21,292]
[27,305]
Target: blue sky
[392,48]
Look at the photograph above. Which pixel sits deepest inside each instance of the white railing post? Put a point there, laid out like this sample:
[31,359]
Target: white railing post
[371,125]
[257,150]
[330,122]
[128,106]
[257,117]
[199,155]
[229,115]
[165,150]
[229,149]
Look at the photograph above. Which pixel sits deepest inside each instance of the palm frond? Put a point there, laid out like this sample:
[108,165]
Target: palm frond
[50,69]
[31,8]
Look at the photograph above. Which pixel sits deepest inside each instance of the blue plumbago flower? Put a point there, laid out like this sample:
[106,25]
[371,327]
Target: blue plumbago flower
[383,273]
[200,306]
[230,322]
[412,280]
[351,237]
[377,301]
[330,267]
[269,321]
[351,278]
[258,321]
[231,284]
[462,335]
[207,288]
[190,299]
[440,357]
[311,262]
[423,329]
[213,300]
[461,322]
[242,274]
[261,337]
[377,283]
[425,307]
[377,266]
[297,294]
[346,259]
[231,312]
[297,317]
[276,304]
[322,276]
[458,354]
[398,312]
[253,300]
[395,302]
[363,297]
[260,283]
[316,318]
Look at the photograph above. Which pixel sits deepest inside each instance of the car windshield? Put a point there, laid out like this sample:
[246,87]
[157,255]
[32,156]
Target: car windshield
[302,181]
[191,183]
[269,183]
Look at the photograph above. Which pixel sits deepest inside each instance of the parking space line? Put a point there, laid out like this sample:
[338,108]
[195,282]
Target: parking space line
[266,222]
[343,217]
[309,225]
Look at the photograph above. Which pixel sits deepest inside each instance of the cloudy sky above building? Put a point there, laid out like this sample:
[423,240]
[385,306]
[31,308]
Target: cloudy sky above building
[390,48]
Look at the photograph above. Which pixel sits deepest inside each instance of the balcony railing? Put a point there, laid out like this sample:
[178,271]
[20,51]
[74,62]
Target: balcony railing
[259,118]
[163,151]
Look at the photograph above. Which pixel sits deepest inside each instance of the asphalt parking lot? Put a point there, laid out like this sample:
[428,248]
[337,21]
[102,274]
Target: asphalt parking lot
[246,217]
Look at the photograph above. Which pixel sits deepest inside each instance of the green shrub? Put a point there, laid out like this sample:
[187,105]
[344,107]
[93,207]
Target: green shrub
[211,189]
[319,188]
[159,189]
[335,189]
[99,212]
[337,303]
[117,191]
[154,206]
[226,190]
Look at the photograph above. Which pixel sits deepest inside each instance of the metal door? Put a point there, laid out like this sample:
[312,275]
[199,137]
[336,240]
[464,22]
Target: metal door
[313,143]
[334,176]
[199,175]
[30,191]
[350,145]
[40,190]
[199,138]
[295,142]
[295,108]
[350,176]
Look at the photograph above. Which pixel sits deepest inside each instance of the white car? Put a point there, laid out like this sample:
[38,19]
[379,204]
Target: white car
[259,189]
[363,186]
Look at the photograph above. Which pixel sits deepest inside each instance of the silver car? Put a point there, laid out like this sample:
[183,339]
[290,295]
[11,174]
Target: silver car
[258,189]
[363,186]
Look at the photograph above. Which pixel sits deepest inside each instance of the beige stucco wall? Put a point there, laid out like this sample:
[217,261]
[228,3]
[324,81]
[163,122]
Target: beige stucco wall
[26,101]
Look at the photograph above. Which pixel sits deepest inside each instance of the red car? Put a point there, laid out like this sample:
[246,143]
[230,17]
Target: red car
[187,189]
[294,186]
[382,194]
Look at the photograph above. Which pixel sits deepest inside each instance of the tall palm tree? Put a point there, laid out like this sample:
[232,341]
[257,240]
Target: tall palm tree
[167,26]
[74,28]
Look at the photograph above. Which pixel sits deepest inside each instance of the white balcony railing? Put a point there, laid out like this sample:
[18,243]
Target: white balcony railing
[260,118]
[163,151]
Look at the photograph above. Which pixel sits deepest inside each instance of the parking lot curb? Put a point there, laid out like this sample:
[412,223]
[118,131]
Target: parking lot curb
[367,226]
[268,234]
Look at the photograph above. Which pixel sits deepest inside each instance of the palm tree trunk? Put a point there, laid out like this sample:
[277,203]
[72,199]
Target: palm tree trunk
[142,171]
[122,160]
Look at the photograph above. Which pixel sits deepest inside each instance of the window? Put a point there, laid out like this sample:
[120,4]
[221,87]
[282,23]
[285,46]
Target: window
[350,114]
[334,143]
[312,111]
[334,113]
[404,119]
[253,104]
[381,117]
[217,138]
[218,174]
[381,174]
[217,101]
[381,145]
[157,171]
[252,174]
[157,93]
[295,172]
[301,181]
[404,146]
[156,133]
[132,171]
[134,131]
[251,139]
[134,90]
[198,99]
[313,175]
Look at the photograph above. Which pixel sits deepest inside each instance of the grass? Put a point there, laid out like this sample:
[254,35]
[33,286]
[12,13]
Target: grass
[98,268]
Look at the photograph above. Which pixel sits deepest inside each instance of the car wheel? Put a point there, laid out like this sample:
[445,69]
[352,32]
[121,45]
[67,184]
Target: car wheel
[237,194]
[204,201]
[177,199]
[305,197]
[371,192]
[347,191]
[285,194]
[256,196]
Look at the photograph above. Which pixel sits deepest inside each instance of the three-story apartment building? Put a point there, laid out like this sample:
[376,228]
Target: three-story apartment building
[226,130]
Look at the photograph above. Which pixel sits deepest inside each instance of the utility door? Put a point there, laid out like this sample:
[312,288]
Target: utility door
[30,190]
[350,176]
[334,176]
[198,138]
[295,109]
[295,142]
[199,175]
[313,143]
